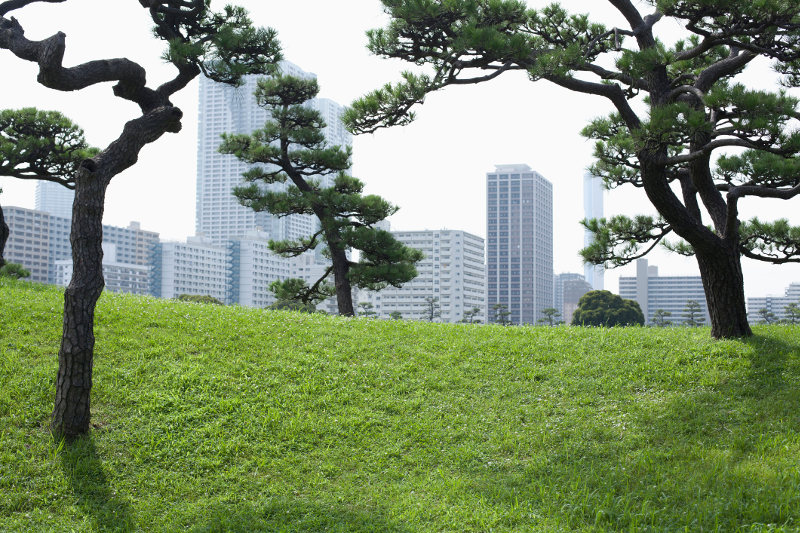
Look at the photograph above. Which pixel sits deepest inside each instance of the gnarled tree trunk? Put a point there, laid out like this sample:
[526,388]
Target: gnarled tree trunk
[71,413]
[721,271]
[4,232]
[75,357]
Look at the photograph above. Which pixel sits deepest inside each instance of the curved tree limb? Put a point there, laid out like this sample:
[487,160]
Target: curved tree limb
[708,148]
[49,54]
[726,67]
[612,92]
[11,5]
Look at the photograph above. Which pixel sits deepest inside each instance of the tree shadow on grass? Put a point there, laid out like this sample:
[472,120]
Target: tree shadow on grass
[710,458]
[771,361]
[94,495]
[290,515]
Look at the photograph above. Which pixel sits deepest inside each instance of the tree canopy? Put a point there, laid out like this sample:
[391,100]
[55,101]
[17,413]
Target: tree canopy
[686,129]
[603,308]
[39,145]
[551,316]
[291,149]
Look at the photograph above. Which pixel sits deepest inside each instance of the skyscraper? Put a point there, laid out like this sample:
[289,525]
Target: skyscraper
[567,291]
[54,199]
[225,109]
[519,242]
[592,208]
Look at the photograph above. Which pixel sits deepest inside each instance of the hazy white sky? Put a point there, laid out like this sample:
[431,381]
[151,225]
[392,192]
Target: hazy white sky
[434,169]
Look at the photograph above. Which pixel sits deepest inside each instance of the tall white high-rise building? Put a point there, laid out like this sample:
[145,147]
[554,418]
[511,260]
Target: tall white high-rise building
[452,273]
[519,239]
[592,208]
[254,267]
[54,199]
[225,109]
[196,267]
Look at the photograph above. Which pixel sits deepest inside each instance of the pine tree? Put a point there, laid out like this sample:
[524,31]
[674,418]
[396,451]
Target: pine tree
[767,316]
[501,314]
[221,45]
[366,309]
[661,318]
[470,316]
[294,294]
[675,106]
[691,314]
[432,308]
[292,148]
[551,316]
[792,312]
[39,145]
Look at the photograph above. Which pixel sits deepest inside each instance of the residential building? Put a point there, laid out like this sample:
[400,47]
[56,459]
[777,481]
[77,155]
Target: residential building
[236,272]
[592,208]
[196,267]
[33,242]
[38,240]
[668,293]
[452,272]
[225,109]
[54,198]
[254,267]
[118,276]
[774,304]
[519,242]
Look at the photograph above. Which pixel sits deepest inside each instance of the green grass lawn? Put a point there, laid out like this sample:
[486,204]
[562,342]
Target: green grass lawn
[235,419]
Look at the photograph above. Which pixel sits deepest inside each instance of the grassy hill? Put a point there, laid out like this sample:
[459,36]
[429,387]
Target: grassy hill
[234,419]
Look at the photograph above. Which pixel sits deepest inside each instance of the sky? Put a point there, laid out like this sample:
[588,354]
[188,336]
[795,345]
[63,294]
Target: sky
[434,169]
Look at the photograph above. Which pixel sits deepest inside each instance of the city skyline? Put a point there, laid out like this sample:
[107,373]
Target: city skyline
[433,169]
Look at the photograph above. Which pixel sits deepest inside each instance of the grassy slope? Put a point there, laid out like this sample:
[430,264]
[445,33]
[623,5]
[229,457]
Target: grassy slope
[233,419]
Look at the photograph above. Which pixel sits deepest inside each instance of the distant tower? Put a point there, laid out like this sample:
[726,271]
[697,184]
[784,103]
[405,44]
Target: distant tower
[225,109]
[519,242]
[592,208]
[54,199]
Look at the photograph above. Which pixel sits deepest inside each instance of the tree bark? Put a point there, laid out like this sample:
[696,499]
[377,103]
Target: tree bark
[344,292]
[4,232]
[75,358]
[719,259]
[721,272]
